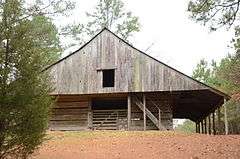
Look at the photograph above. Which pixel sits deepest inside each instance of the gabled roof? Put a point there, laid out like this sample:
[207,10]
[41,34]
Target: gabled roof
[186,76]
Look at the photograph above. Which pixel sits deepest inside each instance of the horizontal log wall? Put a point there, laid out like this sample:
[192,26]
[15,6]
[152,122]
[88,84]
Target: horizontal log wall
[69,116]
[74,115]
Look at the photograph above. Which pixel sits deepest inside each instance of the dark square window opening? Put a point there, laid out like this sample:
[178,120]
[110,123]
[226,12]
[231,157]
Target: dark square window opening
[108,77]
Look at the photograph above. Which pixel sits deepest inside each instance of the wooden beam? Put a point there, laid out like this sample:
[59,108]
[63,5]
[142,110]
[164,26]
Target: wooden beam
[213,123]
[201,126]
[129,112]
[205,126]
[159,117]
[144,112]
[219,121]
[209,125]
[90,119]
[225,118]
[196,127]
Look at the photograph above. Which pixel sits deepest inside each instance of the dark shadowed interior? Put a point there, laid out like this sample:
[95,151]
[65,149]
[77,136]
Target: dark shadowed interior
[109,104]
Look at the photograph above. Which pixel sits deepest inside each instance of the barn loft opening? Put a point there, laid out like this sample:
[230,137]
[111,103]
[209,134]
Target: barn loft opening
[108,77]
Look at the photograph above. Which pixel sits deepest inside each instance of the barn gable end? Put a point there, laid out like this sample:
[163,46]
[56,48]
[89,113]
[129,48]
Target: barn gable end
[134,71]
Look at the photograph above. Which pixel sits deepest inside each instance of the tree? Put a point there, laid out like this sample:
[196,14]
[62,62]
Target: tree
[111,14]
[225,76]
[188,126]
[219,76]
[107,13]
[29,41]
[202,72]
[209,74]
[217,13]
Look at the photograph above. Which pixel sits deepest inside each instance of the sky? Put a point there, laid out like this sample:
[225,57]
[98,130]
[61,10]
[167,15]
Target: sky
[177,40]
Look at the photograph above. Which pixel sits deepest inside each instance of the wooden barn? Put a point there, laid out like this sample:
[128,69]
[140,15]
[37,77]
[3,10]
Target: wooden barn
[110,85]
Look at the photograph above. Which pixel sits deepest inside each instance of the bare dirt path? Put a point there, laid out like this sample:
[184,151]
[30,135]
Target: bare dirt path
[131,145]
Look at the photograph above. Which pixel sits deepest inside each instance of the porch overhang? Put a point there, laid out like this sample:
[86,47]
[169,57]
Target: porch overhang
[193,104]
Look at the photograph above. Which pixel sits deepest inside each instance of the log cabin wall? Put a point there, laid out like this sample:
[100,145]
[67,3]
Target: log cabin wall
[70,115]
[81,73]
[77,114]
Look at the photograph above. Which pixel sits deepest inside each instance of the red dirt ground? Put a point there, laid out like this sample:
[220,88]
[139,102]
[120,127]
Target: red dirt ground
[128,145]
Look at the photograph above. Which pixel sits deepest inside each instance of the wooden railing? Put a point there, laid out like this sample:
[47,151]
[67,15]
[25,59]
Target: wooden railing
[102,122]
[113,114]
[152,117]
[159,113]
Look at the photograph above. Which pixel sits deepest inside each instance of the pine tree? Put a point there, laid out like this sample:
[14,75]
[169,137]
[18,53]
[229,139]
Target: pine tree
[222,76]
[111,14]
[28,42]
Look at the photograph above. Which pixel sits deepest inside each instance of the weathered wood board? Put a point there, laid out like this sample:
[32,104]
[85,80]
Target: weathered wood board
[74,115]
[81,73]
[137,116]
[69,116]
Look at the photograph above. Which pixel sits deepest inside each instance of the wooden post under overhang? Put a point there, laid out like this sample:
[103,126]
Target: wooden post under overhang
[90,115]
[205,126]
[129,112]
[203,130]
[196,127]
[202,126]
[144,112]
[201,123]
[213,123]
[209,124]
[225,117]
[219,121]
[159,118]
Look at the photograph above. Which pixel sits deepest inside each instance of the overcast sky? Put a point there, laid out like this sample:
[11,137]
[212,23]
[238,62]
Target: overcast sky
[178,41]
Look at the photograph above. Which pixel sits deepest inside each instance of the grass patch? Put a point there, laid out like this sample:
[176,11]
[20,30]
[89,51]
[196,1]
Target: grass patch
[111,134]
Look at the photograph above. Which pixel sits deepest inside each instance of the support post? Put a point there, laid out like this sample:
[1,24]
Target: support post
[225,117]
[201,126]
[198,123]
[129,112]
[209,124]
[219,121]
[90,114]
[196,127]
[213,122]
[144,112]
[203,130]
[159,117]
[205,126]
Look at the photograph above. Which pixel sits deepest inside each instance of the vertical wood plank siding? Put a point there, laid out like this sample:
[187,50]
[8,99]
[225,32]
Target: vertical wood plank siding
[134,71]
